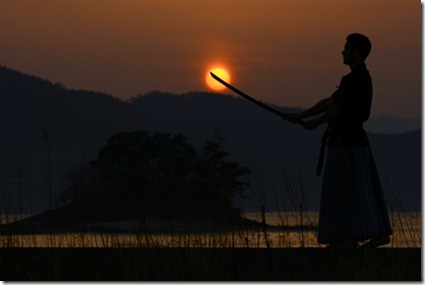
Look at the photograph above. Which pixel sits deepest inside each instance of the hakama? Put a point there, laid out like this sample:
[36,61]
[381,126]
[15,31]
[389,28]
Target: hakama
[352,204]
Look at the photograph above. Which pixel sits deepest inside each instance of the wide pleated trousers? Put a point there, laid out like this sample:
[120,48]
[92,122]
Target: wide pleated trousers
[352,203]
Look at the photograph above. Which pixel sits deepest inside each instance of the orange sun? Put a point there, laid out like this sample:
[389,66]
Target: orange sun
[214,84]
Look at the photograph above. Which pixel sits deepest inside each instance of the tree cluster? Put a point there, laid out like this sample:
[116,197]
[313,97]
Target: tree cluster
[162,175]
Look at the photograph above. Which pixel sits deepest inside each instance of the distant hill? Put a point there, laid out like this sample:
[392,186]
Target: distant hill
[392,125]
[78,123]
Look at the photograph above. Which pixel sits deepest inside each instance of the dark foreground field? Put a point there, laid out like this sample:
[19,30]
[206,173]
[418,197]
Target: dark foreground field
[190,264]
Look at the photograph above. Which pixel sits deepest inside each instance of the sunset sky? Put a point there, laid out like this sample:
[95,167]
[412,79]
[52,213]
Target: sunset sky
[285,52]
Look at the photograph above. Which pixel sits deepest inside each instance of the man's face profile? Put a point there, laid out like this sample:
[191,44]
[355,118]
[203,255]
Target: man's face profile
[349,54]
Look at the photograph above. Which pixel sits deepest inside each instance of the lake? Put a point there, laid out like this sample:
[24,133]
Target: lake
[407,227]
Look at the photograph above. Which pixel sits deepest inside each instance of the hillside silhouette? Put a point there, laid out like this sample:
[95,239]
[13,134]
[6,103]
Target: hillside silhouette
[77,123]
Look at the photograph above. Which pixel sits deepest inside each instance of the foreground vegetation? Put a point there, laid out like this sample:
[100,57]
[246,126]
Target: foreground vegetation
[153,208]
[253,253]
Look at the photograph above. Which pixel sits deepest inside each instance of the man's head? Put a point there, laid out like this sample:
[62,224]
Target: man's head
[356,49]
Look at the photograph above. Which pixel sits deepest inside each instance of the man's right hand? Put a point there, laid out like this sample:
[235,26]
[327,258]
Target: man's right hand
[295,118]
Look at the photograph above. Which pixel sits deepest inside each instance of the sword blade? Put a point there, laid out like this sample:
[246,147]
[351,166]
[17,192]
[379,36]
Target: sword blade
[249,98]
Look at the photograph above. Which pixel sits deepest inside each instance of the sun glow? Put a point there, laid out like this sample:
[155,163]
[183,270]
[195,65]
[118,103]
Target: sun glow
[213,84]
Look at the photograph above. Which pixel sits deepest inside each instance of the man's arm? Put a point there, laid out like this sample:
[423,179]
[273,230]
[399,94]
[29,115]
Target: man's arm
[328,115]
[317,109]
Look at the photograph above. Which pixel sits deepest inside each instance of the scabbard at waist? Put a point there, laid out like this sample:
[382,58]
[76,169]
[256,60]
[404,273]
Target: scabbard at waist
[325,137]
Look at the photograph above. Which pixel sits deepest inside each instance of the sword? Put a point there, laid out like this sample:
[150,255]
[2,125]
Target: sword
[249,98]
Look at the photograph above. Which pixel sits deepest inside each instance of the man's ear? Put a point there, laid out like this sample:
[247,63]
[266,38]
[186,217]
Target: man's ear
[357,52]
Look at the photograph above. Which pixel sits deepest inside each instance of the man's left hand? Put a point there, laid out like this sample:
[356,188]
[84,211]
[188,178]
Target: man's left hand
[310,124]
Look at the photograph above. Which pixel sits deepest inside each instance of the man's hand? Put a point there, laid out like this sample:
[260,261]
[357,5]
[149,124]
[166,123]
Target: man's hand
[311,124]
[295,118]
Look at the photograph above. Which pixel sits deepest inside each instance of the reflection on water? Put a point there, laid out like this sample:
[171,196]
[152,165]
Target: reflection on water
[406,227]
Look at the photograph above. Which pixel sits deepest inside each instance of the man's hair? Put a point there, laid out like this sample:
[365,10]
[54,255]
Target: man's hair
[360,42]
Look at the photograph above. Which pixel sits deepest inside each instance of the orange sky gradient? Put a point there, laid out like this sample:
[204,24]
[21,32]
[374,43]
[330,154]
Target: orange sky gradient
[285,52]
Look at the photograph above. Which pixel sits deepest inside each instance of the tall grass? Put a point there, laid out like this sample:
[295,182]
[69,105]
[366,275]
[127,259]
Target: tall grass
[404,223]
[291,202]
[292,223]
[258,193]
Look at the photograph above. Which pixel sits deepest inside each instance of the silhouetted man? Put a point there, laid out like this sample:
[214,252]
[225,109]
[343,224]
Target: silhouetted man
[352,206]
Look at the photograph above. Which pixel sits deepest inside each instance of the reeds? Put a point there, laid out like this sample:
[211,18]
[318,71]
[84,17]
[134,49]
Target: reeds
[286,234]
[406,225]
[292,225]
